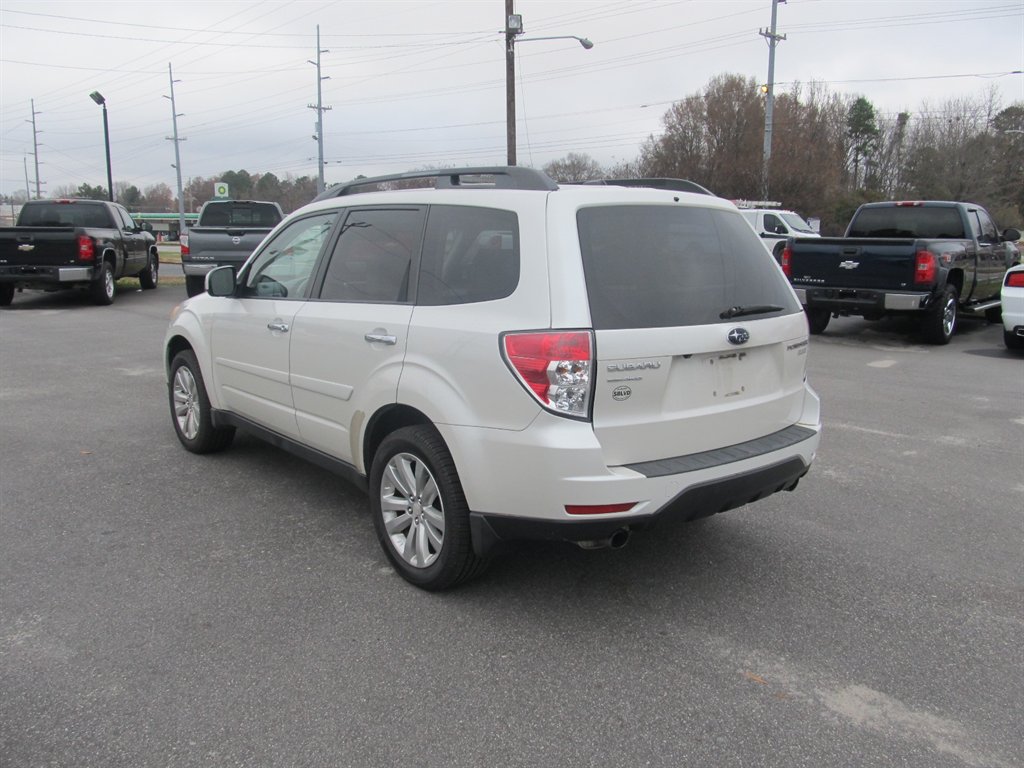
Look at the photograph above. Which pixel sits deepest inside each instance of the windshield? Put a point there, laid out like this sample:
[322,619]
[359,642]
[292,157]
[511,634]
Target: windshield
[657,266]
[796,222]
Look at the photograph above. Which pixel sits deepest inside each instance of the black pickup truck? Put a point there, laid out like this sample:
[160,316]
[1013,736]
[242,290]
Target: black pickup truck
[935,259]
[227,232]
[85,244]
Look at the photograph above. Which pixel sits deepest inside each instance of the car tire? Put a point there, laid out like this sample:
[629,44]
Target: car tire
[940,319]
[103,288]
[190,408]
[777,251]
[150,276]
[194,285]
[817,320]
[1012,340]
[6,294]
[420,512]
[994,315]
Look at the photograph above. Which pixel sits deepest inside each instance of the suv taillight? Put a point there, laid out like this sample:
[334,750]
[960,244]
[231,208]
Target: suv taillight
[86,248]
[925,268]
[183,240]
[1015,280]
[555,367]
[787,256]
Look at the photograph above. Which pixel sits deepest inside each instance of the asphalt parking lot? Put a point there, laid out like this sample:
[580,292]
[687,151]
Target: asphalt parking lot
[166,609]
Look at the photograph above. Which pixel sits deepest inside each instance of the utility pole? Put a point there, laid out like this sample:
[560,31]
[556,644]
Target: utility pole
[513,27]
[177,154]
[769,91]
[320,109]
[35,150]
[28,189]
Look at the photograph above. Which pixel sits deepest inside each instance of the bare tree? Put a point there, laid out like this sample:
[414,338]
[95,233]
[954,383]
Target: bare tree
[574,166]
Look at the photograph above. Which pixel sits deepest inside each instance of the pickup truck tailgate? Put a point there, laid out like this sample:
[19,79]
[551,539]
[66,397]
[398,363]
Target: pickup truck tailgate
[38,246]
[868,263]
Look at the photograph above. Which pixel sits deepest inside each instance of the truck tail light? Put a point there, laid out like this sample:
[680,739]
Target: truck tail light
[925,268]
[183,239]
[1015,280]
[787,256]
[86,248]
[555,367]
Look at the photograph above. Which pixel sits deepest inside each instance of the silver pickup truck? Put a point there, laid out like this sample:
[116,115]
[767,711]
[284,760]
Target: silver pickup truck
[227,232]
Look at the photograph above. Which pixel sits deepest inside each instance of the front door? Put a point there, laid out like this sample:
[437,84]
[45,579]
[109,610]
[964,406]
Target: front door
[251,335]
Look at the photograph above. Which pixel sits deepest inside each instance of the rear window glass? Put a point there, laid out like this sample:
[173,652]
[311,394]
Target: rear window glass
[74,214]
[661,266]
[907,221]
[240,215]
[469,255]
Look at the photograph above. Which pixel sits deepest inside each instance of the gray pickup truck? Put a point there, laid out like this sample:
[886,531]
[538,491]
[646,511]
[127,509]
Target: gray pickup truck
[934,259]
[226,233]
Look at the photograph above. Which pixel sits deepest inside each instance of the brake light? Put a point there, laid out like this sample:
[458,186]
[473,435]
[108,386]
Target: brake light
[1015,280]
[909,204]
[787,256]
[555,367]
[184,245]
[86,248]
[925,268]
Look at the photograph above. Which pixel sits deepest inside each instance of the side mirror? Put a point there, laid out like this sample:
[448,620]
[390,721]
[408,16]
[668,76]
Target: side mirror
[1011,234]
[221,281]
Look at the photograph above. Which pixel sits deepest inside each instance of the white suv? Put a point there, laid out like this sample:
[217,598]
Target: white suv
[499,357]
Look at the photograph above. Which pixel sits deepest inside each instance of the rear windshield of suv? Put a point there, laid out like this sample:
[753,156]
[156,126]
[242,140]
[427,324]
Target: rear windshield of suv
[662,266]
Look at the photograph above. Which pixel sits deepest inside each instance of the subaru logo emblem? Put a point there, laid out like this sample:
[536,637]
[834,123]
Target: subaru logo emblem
[738,336]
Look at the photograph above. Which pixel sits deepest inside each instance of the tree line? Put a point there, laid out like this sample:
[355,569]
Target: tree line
[830,153]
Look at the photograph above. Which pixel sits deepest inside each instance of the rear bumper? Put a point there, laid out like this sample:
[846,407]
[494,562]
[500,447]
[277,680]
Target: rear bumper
[700,500]
[198,269]
[44,275]
[858,301]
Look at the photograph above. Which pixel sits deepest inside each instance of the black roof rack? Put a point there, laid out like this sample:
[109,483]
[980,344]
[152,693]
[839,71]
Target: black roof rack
[675,185]
[495,177]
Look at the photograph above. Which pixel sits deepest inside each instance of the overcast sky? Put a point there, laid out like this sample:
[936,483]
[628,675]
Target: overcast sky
[422,82]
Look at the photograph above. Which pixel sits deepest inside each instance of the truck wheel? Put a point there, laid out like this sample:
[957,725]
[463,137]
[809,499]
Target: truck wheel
[994,315]
[939,323]
[419,510]
[1012,340]
[102,289]
[149,277]
[6,294]
[194,285]
[190,408]
[817,320]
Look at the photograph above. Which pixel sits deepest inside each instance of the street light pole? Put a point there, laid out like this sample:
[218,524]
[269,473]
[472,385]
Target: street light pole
[98,98]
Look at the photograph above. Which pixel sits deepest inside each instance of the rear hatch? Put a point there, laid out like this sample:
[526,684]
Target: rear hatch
[700,341]
[852,263]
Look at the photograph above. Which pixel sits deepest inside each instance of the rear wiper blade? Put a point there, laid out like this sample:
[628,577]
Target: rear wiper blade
[753,309]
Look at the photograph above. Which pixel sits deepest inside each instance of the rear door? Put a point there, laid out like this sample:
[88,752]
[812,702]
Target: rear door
[349,341]
[700,341]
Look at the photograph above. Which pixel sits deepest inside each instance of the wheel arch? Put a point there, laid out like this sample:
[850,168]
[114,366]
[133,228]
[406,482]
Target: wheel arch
[382,423]
[956,279]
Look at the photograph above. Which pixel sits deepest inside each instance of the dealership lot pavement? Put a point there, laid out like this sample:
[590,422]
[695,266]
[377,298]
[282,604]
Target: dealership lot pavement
[164,609]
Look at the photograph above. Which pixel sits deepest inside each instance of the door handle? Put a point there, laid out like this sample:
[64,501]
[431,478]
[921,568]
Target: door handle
[278,325]
[381,338]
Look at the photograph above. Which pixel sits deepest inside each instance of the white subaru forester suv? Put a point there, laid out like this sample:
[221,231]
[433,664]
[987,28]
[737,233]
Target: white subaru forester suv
[501,357]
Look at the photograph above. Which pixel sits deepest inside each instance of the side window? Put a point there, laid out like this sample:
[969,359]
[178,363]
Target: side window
[372,259]
[469,255]
[284,265]
[773,223]
[126,219]
[987,228]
